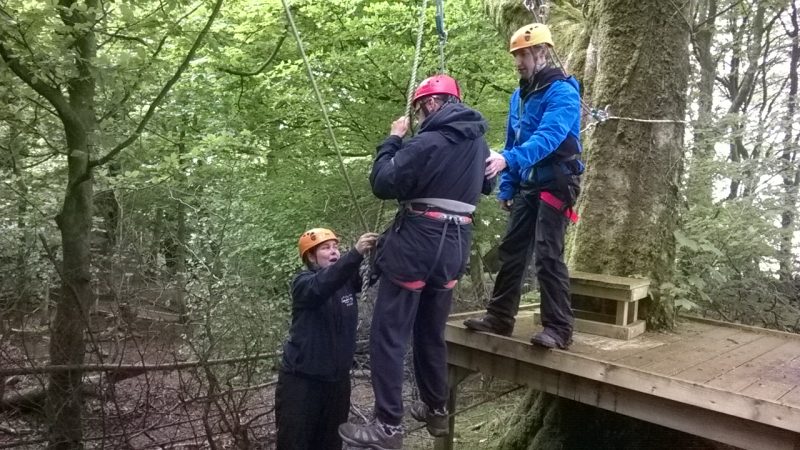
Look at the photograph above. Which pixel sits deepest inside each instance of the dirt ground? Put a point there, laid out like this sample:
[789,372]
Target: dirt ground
[180,409]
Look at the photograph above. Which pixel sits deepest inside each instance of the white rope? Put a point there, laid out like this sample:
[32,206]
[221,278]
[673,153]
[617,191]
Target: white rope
[630,119]
[412,83]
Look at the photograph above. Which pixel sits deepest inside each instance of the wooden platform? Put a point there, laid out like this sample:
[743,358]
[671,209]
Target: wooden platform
[733,384]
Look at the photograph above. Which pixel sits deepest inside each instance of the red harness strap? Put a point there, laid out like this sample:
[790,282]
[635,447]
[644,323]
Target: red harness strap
[553,201]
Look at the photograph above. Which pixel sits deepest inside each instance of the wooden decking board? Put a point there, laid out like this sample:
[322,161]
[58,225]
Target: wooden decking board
[767,389]
[721,364]
[743,376]
[673,363]
[791,398]
[774,384]
[676,349]
[659,386]
[735,384]
[786,373]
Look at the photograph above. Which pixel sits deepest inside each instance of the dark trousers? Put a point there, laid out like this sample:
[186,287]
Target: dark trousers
[308,412]
[534,228]
[398,313]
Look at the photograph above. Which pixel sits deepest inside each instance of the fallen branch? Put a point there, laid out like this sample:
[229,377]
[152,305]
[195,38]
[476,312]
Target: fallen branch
[115,370]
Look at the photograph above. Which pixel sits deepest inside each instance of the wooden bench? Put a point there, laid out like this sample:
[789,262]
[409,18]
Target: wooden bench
[594,295]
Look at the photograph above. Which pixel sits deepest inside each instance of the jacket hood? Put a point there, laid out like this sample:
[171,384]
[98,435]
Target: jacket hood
[545,78]
[456,122]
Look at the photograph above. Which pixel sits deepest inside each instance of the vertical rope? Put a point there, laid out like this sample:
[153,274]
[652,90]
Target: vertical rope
[324,110]
[412,83]
[442,34]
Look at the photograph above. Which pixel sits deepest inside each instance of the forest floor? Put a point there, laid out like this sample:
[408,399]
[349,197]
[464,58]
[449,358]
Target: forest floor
[180,409]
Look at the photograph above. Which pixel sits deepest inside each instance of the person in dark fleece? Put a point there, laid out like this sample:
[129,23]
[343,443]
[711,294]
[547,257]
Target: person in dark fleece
[437,176]
[539,185]
[313,393]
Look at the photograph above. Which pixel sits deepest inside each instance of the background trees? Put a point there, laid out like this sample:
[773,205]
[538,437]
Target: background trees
[166,155]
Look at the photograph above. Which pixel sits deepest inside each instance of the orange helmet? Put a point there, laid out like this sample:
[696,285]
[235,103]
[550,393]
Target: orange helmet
[530,35]
[313,238]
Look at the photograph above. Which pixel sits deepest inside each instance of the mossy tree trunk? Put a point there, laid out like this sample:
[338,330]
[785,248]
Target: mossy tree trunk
[630,192]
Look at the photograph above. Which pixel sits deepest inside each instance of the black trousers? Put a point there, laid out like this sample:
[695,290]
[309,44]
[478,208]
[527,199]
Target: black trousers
[308,412]
[398,313]
[534,228]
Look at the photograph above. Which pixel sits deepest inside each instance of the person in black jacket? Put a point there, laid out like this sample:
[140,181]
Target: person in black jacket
[313,393]
[437,177]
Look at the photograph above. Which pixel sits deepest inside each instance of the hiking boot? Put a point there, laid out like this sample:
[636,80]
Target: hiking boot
[546,340]
[374,435]
[437,422]
[489,324]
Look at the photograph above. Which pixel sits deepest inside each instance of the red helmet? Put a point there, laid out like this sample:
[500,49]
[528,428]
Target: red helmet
[437,84]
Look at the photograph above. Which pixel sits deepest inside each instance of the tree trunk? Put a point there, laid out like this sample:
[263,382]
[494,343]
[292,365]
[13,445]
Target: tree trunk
[181,238]
[791,174]
[64,396]
[630,191]
[699,189]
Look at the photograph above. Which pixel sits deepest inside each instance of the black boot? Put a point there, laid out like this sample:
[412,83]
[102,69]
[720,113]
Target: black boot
[489,324]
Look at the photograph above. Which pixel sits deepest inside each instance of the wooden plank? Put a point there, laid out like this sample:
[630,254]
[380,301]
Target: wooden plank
[673,351]
[620,295]
[719,323]
[791,398]
[728,361]
[625,333]
[609,281]
[767,389]
[744,375]
[698,355]
[641,405]
[469,314]
[713,399]
[774,384]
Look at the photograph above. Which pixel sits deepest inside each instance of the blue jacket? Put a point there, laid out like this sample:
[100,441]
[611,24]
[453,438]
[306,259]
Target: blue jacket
[322,337]
[550,124]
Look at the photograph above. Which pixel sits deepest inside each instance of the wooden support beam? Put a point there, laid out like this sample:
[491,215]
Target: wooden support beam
[455,375]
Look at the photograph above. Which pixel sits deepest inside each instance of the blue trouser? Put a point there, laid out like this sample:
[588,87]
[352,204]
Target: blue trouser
[399,312]
[535,229]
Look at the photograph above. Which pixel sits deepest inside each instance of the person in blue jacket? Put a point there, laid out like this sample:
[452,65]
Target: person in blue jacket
[539,185]
[437,177]
[313,393]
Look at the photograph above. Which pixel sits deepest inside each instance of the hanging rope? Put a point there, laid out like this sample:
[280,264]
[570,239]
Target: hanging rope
[324,110]
[442,34]
[412,82]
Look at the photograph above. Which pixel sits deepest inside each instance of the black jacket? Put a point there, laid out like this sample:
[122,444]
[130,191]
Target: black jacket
[446,159]
[322,337]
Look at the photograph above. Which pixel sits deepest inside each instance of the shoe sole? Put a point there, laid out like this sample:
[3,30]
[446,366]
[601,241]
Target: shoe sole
[360,445]
[484,329]
[548,346]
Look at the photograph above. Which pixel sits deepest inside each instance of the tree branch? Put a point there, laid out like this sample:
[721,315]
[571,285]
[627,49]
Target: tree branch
[50,93]
[164,91]
[263,66]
